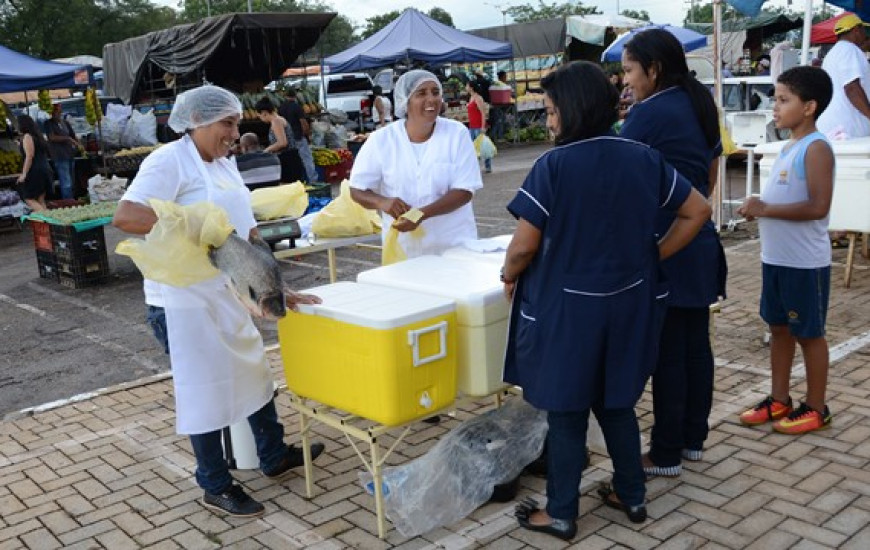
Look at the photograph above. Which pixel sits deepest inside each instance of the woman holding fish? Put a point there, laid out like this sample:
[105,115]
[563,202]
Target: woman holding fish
[219,366]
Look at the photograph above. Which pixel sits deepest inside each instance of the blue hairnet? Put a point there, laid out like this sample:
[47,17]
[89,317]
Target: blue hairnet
[203,106]
[405,87]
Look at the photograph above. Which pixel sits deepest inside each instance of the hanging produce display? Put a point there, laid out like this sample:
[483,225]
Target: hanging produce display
[44,101]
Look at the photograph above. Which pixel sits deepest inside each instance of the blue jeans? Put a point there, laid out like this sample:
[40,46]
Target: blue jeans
[307,159]
[64,168]
[156,319]
[566,457]
[682,386]
[487,163]
[212,471]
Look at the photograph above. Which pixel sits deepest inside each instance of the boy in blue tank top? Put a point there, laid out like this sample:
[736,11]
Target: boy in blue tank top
[792,214]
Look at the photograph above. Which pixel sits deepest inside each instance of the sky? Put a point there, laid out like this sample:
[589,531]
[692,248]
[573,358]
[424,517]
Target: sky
[488,13]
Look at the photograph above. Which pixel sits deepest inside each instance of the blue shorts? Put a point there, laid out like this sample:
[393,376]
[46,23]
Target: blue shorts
[797,298]
[156,319]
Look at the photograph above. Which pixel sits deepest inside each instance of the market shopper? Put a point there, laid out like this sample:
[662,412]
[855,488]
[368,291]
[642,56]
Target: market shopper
[64,147]
[35,179]
[582,271]
[848,115]
[219,366]
[282,142]
[257,167]
[295,117]
[422,161]
[478,113]
[382,109]
[676,115]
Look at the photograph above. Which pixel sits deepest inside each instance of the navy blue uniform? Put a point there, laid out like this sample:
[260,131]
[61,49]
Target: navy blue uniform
[586,312]
[683,383]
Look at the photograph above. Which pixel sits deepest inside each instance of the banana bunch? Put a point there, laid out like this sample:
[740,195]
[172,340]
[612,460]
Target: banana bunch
[10,162]
[44,101]
[141,150]
[325,157]
[93,109]
[76,214]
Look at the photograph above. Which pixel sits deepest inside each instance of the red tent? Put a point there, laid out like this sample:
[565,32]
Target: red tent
[823,33]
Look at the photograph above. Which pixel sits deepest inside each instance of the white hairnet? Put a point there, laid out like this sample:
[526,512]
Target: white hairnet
[405,87]
[203,106]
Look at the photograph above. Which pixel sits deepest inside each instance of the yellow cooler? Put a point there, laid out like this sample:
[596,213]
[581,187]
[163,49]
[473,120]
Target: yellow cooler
[481,311]
[380,353]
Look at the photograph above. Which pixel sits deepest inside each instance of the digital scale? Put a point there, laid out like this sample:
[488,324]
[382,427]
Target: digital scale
[274,231]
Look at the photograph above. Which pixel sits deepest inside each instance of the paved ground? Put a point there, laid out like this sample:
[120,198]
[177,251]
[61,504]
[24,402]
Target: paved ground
[106,470]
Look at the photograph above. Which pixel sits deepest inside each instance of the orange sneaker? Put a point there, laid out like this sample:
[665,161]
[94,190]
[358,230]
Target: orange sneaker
[768,410]
[803,420]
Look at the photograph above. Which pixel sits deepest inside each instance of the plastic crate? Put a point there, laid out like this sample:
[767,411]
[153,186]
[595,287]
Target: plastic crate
[42,236]
[70,244]
[47,265]
[337,172]
[83,271]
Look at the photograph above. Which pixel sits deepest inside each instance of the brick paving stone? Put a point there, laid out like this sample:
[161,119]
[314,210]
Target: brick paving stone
[666,527]
[193,539]
[717,534]
[146,505]
[25,489]
[42,539]
[783,491]
[757,523]
[492,529]
[627,536]
[118,496]
[107,512]
[322,532]
[132,523]
[359,538]
[736,485]
[833,500]
[709,513]
[91,489]
[117,539]
[19,529]
[64,481]
[849,521]
[726,468]
[166,531]
[858,541]
[41,474]
[10,504]
[682,541]
[86,532]
[817,534]
[700,495]
[76,505]
[818,482]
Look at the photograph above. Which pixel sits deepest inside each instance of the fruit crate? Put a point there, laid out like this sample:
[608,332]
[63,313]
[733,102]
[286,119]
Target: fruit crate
[124,163]
[337,172]
[70,244]
[83,271]
[42,236]
[47,264]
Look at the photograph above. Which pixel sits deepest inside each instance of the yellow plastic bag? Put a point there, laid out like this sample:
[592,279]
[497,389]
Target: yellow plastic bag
[392,252]
[484,147]
[280,201]
[728,145]
[344,217]
[175,251]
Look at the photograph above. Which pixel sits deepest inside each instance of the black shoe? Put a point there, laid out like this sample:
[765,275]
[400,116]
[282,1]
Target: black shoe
[561,528]
[234,502]
[293,459]
[636,514]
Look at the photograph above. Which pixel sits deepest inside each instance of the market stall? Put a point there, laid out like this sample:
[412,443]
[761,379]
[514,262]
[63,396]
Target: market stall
[241,52]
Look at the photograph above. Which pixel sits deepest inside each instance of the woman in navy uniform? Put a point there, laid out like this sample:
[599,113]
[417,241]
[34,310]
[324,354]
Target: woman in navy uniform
[583,272]
[676,115]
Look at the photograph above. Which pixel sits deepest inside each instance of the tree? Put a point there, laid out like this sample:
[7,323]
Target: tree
[378,22]
[441,16]
[635,14]
[527,12]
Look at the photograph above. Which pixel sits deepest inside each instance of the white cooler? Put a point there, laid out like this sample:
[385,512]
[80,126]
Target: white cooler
[481,311]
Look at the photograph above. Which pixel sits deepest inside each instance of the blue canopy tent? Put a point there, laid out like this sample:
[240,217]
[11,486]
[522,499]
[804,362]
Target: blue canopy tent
[415,37]
[21,72]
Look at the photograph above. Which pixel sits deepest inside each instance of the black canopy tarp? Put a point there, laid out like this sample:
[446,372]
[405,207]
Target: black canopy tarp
[544,37]
[417,37]
[229,50]
[19,72]
[768,23]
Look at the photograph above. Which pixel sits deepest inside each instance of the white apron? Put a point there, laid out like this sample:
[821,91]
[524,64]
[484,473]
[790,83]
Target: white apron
[219,367]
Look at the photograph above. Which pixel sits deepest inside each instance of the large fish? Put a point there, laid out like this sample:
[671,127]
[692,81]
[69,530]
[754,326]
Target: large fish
[255,275]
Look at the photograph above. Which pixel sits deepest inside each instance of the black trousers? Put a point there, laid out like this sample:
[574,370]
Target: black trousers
[292,168]
[682,385]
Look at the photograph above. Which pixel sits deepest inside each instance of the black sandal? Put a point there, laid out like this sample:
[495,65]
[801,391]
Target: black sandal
[561,528]
[636,514]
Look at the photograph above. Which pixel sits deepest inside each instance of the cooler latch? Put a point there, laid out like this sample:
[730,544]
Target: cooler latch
[414,342]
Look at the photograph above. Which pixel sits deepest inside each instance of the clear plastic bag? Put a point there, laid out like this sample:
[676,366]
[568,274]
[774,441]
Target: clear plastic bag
[459,473]
[484,147]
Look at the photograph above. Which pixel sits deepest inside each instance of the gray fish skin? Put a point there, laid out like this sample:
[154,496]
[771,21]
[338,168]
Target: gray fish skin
[255,275]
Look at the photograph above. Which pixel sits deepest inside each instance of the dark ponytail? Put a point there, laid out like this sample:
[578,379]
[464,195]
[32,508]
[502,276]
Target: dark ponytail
[660,49]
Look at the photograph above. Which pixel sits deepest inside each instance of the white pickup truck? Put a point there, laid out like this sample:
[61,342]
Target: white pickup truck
[348,92]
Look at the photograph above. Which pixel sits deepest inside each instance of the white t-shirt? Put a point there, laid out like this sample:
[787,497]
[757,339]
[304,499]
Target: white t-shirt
[388,110]
[845,63]
[169,174]
[388,165]
[788,243]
